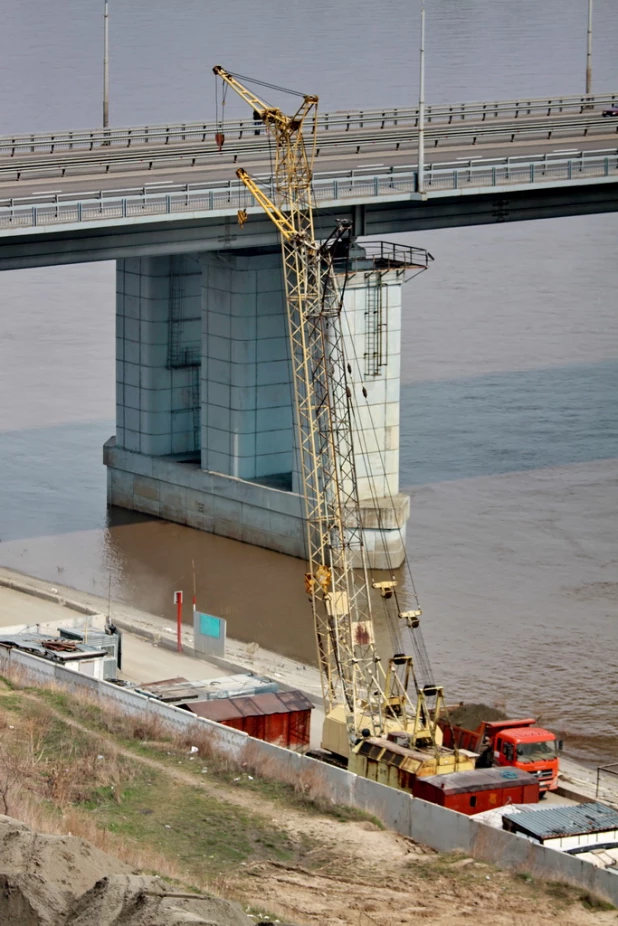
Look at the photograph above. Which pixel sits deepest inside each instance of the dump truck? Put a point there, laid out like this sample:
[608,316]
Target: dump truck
[518,743]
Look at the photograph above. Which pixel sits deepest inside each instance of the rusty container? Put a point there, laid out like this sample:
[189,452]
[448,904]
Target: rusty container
[479,790]
[282,717]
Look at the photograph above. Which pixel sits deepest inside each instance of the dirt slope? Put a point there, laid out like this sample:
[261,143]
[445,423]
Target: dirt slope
[50,880]
[332,872]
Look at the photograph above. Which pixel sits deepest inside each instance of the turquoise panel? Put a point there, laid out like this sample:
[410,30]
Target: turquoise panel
[210,626]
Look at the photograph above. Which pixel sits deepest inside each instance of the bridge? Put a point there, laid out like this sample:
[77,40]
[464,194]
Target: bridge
[204,430]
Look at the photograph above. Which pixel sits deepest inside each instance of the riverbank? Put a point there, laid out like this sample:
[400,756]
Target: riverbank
[150,653]
[240,657]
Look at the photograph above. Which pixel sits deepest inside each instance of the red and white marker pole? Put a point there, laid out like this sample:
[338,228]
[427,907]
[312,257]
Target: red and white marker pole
[178,603]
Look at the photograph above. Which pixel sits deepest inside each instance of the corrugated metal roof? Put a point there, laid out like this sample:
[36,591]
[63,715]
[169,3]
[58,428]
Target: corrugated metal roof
[229,686]
[221,709]
[573,820]
[480,780]
[48,647]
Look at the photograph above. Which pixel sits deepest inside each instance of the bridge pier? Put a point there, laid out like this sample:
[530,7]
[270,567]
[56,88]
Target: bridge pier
[205,426]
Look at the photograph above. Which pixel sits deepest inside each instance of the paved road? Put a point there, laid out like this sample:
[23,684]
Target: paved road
[17,608]
[217,167]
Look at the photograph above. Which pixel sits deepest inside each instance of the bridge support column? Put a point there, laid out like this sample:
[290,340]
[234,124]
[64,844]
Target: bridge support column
[372,334]
[204,431]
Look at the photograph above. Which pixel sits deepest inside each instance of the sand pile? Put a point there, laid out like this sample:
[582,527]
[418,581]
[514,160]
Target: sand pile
[470,716]
[138,900]
[42,875]
[65,881]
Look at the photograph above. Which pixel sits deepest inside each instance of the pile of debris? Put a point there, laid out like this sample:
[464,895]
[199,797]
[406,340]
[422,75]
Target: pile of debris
[50,880]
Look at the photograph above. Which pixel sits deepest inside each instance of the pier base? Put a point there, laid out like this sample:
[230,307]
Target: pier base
[205,420]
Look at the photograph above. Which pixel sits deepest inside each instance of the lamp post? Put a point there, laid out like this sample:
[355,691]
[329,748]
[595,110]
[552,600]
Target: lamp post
[421,107]
[589,52]
[106,67]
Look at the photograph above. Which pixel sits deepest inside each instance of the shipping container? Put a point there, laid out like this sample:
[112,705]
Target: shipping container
[475,791]
[282,718]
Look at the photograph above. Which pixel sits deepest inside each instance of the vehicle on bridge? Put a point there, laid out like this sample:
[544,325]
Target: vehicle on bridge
[612,111]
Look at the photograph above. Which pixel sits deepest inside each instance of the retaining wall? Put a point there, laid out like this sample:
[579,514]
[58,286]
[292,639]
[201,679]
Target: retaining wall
[437,827]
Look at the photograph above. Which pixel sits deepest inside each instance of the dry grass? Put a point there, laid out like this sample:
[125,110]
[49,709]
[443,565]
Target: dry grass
[48,774]
[307,783]
[74,822]
[307,788]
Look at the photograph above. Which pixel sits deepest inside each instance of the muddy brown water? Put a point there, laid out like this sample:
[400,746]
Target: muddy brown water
[509,436]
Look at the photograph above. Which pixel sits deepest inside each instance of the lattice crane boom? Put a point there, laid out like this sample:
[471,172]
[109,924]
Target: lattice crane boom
[350,668]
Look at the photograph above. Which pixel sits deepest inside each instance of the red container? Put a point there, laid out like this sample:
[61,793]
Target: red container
[282,717]
[475,791]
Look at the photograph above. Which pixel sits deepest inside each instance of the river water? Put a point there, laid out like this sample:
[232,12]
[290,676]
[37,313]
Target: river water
[510,351]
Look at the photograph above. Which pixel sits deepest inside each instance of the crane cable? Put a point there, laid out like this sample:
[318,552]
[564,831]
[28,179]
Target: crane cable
[415,635]
[392,625]
[219,120]
[263,83]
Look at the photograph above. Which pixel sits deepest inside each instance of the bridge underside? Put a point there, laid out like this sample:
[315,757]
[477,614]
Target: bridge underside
[138,237]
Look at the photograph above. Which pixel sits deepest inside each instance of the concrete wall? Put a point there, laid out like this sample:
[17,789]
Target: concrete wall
[425,823]
[372,334]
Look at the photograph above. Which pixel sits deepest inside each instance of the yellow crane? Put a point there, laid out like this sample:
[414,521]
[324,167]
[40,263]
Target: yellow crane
[364,702]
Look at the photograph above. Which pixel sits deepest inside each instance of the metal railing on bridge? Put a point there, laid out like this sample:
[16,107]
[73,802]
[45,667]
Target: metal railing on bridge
[174,133]
[109,206]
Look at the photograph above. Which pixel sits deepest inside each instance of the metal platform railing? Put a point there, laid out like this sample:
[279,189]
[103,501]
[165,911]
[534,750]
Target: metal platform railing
[607,773]
[389,255]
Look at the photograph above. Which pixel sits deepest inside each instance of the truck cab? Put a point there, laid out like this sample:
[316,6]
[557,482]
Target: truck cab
[531,749]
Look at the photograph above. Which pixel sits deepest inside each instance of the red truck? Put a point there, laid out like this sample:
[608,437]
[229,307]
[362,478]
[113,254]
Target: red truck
[510,742]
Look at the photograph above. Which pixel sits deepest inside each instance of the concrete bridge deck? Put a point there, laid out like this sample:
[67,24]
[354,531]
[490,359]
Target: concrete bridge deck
[163,219]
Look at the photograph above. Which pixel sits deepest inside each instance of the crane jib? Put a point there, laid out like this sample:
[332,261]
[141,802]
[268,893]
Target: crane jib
[353,677]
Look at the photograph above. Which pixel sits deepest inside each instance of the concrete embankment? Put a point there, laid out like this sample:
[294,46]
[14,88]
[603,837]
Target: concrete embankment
[427,824]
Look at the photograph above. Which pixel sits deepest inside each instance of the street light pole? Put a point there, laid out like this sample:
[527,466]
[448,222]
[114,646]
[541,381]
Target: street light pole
[589,52]
[106,67]
[421,108]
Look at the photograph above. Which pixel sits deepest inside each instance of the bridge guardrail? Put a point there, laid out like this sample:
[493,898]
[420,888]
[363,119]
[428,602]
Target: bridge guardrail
[235,196]
[343,121]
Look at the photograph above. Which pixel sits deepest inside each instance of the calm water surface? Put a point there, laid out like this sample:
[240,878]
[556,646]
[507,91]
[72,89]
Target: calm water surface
[510,351]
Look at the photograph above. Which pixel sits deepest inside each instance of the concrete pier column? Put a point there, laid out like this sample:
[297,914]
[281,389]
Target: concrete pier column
[372,335]
[246,375]
[158,355]
[205,421]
